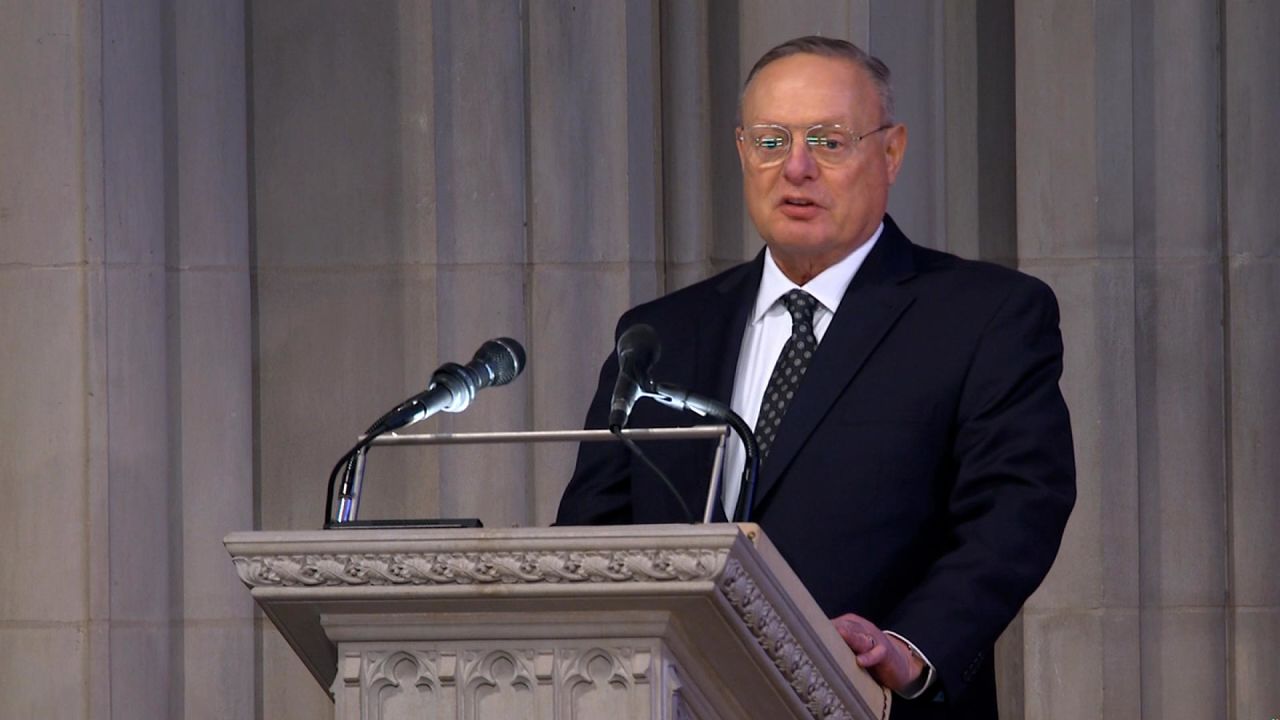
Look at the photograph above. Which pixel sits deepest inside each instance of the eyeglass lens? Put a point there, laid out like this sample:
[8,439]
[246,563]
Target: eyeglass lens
[771,143]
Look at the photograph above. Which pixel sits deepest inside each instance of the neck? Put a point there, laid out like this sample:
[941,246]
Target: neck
[800,274]
[801,269]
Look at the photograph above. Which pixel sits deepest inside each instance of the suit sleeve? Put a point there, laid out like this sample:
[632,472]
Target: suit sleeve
[599,492]
[1013,491]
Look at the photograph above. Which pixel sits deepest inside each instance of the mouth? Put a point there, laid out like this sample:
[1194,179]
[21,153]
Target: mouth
[799,208]
[798,202]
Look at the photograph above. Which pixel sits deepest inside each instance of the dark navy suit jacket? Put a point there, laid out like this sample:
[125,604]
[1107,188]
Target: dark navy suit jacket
[922,475]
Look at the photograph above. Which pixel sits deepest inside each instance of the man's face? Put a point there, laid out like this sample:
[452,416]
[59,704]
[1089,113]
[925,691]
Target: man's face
[812,214]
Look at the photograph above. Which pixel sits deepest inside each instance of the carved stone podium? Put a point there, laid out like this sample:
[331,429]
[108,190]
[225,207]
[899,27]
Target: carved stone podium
[669,621]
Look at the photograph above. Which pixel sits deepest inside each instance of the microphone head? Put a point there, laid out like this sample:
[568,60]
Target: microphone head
[504,359]
[638,351]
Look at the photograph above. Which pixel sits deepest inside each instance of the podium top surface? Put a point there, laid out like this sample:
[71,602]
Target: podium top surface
[621,536]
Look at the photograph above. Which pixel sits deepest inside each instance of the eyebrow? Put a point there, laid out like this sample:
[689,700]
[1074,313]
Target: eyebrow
[804,125]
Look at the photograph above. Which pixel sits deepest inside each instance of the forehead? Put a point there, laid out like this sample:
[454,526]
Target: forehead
[805,89]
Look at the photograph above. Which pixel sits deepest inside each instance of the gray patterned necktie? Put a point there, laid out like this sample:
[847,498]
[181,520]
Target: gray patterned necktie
[792,362]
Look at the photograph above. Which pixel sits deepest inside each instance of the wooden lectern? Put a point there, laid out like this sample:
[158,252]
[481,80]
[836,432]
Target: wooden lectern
[657,621]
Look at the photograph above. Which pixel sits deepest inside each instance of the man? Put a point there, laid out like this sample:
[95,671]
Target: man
[918,469]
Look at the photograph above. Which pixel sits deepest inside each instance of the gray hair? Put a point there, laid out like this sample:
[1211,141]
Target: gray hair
[832,48]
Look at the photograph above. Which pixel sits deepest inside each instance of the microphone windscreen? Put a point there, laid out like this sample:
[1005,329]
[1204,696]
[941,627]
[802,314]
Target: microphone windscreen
[638,349]
[503,357]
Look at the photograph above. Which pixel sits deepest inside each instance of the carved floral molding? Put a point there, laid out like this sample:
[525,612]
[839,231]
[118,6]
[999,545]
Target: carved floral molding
[479,568]
[782,647]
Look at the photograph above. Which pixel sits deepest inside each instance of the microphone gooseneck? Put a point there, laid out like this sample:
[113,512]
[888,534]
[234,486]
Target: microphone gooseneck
[680,399]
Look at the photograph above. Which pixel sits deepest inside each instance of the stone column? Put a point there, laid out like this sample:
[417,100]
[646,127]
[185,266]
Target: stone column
[692,135]
[1179,272]
[138,562]
[1120,181]
[595,230]
[210,339]
[977,163]
[122,208]
[478,72]
[910,37]
[53,590]
[1252,164]
[1075,167]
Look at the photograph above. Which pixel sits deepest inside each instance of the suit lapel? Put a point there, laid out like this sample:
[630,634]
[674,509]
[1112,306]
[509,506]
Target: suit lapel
[722,323]
[871,306]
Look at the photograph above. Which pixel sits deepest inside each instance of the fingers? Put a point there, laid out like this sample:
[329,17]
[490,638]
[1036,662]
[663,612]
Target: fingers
[851,626]
[867,642]
[874,652]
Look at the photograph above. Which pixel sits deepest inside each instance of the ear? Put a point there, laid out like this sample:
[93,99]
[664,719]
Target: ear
[741,145]
[895,147]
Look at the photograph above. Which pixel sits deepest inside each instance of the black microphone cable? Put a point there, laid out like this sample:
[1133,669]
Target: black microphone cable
[635,449]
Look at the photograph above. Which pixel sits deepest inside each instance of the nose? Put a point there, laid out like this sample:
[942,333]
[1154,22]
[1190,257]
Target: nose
[799,164]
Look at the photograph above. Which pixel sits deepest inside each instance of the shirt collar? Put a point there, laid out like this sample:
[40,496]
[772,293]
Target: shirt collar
[827,287]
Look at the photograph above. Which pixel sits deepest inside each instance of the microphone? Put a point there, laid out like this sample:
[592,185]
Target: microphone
[454,386]
[638,350]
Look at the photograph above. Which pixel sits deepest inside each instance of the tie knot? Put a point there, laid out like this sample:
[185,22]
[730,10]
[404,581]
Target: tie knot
[801,306]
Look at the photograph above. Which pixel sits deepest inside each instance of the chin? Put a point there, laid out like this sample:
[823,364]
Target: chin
[802,243]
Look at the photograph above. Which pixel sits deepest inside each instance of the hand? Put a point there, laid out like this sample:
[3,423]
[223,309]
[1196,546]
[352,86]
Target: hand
[887,658]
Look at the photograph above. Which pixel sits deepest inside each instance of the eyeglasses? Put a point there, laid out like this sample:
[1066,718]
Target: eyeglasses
[769,145]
